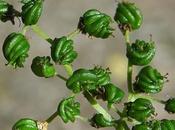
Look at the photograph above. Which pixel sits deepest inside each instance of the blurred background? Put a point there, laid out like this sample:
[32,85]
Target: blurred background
[22,94]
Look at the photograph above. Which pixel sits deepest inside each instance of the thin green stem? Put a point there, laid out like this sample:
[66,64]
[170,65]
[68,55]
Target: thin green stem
[96,106]
[68,69]
[52,117]
[41,33]
[61,77]
[24,30]
[73,34]
[117,111]
[84,119]
[129,77]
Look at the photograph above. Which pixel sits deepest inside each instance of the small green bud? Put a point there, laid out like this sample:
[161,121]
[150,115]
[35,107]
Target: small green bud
[81,80]
[141,52]
[103,75]
[15,49]
[68,109]
[113,94]
[128,16]
[31,11]
[98,121]
[149,80]
[141,127]
[141,109]
[170,105]
[163,125]
[42,67]
[25,124]
[96,24]
[62,51]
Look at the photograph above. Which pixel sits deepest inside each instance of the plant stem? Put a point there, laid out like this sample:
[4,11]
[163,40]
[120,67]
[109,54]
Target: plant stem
[68,69]
[96,106]
[41,33]
[52,117]
[72,34]
[83,119]
[61,77]
[24,30]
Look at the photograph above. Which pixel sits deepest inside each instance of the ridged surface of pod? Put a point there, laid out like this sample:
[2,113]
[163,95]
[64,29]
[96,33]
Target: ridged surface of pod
[25,124]
[15,49]
[141,109]
[164,125]
[96,24]
[149,80]
[81,80]
[103,75]
[68,109]
[42,67]
[31,12]
[99,121]
[141,127]
[113,94]
[128,14]
[141,52]
[62,51]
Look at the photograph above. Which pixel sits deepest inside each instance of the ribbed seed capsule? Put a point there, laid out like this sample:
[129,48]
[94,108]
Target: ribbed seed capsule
[149,80]
[113,94]
[62,51]
[25,124]
[141,52]
[31,11]
[141,109]
[15,49]
[170,105]
[81,80]
[127,14]
[99,121]
[42,67]
[141,127]
[68,109]
[164,125]
[96,24]
[103,75]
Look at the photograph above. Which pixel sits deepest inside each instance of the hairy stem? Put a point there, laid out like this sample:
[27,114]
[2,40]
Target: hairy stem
[96,106]
[41,33]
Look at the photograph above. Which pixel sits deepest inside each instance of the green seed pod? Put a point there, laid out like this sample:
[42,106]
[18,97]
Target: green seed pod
[141,109]
[141,127]
[31,11]
[68,109]
[103,75]
[149,80]
[7,12]
[96,24]
[42,67]
[170,105]
[113,94]
[140,52]
[164,125]
[127,14]
[25,124]
[15,49]
[99,121]
[62,51]
[121,125]
[81,80]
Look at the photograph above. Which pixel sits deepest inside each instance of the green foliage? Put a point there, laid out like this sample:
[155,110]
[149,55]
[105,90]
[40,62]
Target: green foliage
[121,125]
[127,14]
[170,105]
[141,52]
[31,11]
[68,109]
[149,80]
[141,109]
[15,49]
[62,51]
[96,24]
[42,67]
[99,121]
[25,124]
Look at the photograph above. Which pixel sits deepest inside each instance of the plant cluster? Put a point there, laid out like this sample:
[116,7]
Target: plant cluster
[94,83]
